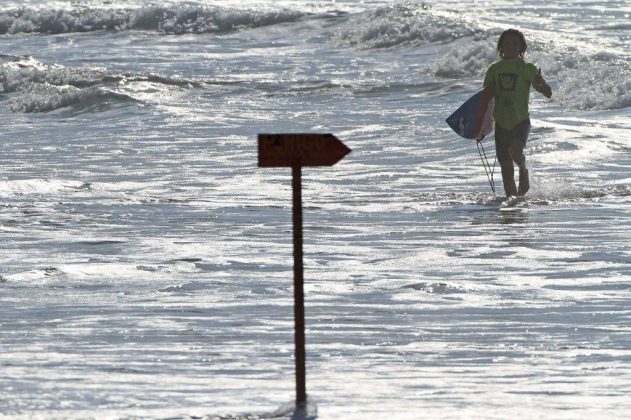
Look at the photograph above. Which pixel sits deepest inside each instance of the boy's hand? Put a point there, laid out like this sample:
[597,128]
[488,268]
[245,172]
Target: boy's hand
[541,85]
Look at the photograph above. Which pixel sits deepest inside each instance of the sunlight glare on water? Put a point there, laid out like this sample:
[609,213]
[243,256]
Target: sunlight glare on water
[147,262]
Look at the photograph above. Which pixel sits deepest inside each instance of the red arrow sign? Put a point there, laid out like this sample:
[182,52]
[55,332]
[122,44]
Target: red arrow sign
[300,149]
[296,151]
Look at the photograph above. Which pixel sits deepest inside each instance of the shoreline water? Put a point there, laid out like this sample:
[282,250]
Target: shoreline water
[146,261]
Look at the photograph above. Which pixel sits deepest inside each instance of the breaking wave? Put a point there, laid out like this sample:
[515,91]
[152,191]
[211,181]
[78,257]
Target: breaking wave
[407,23]
[40,87]
[581,80]
[592,85]
[15,187]
[45,97]
[171,19]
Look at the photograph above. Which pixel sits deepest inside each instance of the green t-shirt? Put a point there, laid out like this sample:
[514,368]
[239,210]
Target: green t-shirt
[511,80]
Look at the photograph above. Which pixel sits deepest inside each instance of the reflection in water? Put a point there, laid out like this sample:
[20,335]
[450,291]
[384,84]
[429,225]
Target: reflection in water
[510,217]
[502,217]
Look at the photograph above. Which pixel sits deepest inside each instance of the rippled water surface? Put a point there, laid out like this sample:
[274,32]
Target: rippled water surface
[147,262]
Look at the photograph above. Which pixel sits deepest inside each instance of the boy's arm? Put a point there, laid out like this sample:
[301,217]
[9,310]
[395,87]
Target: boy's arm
[488,77]
[541,86]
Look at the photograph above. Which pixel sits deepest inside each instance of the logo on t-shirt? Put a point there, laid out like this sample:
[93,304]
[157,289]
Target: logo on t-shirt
[507,81]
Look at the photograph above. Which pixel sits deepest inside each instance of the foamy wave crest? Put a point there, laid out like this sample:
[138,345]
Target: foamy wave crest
[18,72]
[465,60]
[400,24]
[171,19]
[582,81]
[39,87]
[595,85]
[39,186]
[552,190]
[46,97]
[79,275]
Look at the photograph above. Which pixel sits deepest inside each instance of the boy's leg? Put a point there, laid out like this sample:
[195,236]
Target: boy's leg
[518,137]
[508,177]
[517,155]
[502,152]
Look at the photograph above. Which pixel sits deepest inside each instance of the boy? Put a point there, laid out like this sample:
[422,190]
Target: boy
[511,78]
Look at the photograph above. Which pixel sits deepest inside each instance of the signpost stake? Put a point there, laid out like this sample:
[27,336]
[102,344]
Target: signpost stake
[296,150]
[299,307]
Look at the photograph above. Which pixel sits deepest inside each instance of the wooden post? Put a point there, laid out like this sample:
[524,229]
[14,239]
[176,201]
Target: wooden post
[299,294]
[296,150]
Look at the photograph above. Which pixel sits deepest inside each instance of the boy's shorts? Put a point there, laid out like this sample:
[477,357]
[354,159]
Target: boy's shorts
[504,138]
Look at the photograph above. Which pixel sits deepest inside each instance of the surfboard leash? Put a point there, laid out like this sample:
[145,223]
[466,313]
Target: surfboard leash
[487,167]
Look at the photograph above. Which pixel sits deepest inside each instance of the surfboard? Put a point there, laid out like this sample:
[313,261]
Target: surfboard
[474,118]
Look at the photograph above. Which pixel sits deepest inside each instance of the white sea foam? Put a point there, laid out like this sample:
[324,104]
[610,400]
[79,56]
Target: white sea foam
[580,80]
[465,59]
[38,186]
[18,72]
[82,275]
[170,19]
[151,275]
[407,23]
[40,87]
[46,97]
[595,85]
[544,191]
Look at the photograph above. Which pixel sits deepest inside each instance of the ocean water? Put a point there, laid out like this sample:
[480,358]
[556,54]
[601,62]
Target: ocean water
[146,262]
